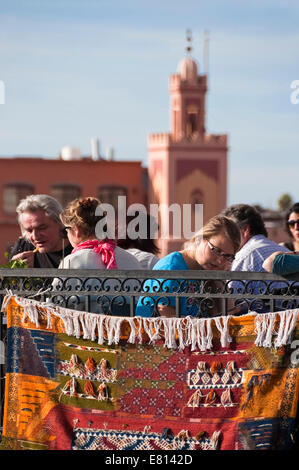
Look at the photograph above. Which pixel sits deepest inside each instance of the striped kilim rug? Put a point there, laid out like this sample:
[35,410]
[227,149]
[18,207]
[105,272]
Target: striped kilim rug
[77,380]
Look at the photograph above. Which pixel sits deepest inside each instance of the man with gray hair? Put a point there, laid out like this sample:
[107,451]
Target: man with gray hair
[43,243]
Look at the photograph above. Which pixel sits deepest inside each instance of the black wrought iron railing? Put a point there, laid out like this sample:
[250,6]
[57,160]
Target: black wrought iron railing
[107,291]
[116,292]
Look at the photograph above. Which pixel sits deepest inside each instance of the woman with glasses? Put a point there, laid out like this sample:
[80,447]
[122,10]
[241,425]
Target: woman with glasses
[292,228]
[212,248]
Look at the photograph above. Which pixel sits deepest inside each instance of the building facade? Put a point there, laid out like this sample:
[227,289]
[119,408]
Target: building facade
[65,180]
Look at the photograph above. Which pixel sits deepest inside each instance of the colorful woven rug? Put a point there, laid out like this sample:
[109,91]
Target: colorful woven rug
[77,380]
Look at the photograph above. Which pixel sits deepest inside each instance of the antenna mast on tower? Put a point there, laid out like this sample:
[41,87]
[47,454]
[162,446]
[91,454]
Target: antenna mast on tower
[189,41]
[206,52]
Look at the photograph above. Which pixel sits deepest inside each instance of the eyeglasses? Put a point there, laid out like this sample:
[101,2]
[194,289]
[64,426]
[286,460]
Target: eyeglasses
[219,252]
[292,223]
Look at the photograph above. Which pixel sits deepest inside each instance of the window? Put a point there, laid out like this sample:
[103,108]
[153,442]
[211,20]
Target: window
[110,194]
[192,117]
[13,193]
[197,197]
[65,193]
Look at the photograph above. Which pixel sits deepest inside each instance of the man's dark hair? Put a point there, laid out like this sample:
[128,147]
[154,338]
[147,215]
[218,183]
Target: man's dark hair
[243,214]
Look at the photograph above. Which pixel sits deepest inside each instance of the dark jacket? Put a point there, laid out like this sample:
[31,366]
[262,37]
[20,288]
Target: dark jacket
[41,260]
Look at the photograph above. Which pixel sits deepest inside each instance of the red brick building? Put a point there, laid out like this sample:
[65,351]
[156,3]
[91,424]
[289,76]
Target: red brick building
[65,180]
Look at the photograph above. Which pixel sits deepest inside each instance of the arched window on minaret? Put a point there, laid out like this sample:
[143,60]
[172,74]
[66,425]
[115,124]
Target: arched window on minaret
[197,204]
[192,121]
[197,197]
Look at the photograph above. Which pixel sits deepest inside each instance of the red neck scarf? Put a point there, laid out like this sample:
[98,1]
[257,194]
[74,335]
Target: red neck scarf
[103,248]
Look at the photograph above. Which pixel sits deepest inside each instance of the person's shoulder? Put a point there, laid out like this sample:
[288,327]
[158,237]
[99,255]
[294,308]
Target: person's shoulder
[251,256]
[82,259]
[126,260]
[152,260]
[171,261]
[259,243]
[146,259]
[65,262]
[243,257]
[269,246]
[288,245]
[256,241]
[21,245]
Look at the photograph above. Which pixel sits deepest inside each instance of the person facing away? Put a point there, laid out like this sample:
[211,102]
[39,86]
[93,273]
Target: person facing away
[44,242]
[89,252]
[255,245]
[292,228]
[143,246]
[212,248]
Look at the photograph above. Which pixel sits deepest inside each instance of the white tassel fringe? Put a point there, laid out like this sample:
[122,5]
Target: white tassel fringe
[265,328]
[177,332]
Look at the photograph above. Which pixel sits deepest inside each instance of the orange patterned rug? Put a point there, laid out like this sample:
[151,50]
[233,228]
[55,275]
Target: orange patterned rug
[76,380]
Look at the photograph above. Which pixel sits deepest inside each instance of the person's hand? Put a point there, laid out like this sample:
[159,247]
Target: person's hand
[268,263]
[27,256]
[166,311]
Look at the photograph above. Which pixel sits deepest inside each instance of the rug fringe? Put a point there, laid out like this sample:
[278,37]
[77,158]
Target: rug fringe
[178,333]
[265,328]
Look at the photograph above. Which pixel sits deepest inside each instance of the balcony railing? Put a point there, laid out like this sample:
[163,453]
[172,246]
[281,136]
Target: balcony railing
[116,292]
[107,291]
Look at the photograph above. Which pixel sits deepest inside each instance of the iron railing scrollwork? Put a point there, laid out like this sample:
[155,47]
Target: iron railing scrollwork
[105,291]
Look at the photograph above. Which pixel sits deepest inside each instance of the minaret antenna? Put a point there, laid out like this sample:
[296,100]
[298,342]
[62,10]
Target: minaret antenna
[189,42]
[206,52]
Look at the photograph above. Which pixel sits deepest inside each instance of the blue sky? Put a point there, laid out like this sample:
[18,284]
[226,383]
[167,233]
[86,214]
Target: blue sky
[74,70]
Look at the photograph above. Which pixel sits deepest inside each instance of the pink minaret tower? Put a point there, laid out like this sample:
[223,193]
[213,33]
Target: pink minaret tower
[187,166]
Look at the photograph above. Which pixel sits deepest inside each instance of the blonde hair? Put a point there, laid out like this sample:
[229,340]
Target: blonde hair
[216,225]
[81,213]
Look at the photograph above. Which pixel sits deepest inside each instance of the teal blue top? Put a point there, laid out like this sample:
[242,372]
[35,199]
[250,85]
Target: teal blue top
[285,264]
[173,261]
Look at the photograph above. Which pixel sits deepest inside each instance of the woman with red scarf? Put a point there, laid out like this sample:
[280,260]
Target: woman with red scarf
[80,220]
